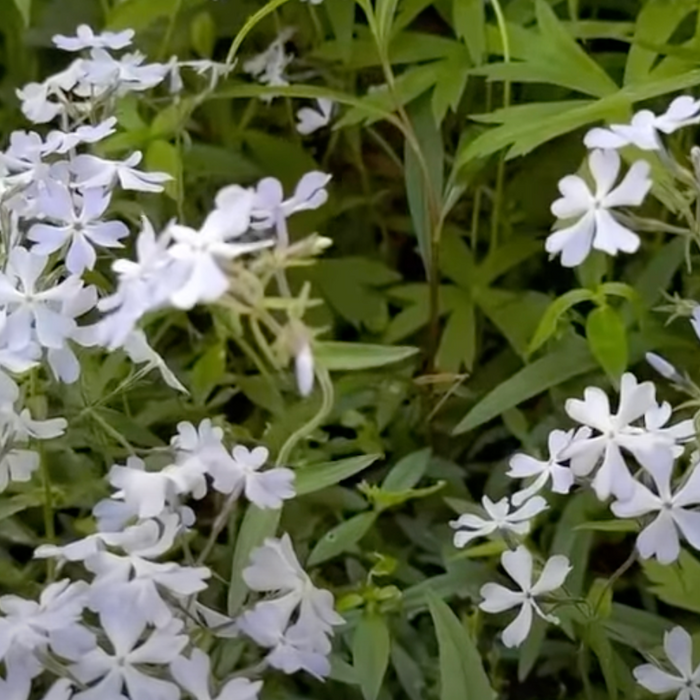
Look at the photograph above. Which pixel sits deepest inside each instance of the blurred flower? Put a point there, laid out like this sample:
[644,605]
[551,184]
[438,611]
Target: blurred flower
[85,38]
[304,369]
[269,66]
[470,527]
[678,646]
[311,120]
[596,227]
[664,367]
[643,132]
[518,565]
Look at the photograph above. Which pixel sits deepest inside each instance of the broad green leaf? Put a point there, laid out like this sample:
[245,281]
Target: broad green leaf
[409,85]
[607,339]
[571,359]
[407,472]
[384,12]
[675,584]
[342,17]
[424,178]
[370,653]
[548,324]
[462,675]
[507,256]
[208,372]
[572,543]
[458,342]
[342,537]
[450,84]
[336,355]
[655,278]
[203,34]
[25,9]
[320,476]
[256,526]
[163,156]
[638,629]
[408,672]
[139,14]
[603,650]
[469,20]
[656,22]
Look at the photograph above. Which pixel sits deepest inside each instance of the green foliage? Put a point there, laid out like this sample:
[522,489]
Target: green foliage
[434,317]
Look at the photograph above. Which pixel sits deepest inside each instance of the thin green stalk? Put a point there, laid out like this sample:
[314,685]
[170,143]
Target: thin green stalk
[500,174]
[249,25]
[49,524]
[327,398]
[170,30]
[219,524]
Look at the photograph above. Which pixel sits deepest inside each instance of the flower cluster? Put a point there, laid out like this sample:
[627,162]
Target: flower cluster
[126,627]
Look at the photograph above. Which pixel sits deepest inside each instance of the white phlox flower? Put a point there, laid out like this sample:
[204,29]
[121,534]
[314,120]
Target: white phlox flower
[242,474]
[91,171]
[554,469]
[676,511]
[62,142]
[34,311]
[595,226]
[143,285]
[201,448]
[616,433]
[678,646]
[271,210]
[150,492]
[17,463]
[43,102]
[105,74]
[85,38]
[75,217]
[199,251]
[675,436]
[133,650]
[518,565]
[643,131]
[27,626]
[303,644]
[194,676]
[310,119]
[500,519]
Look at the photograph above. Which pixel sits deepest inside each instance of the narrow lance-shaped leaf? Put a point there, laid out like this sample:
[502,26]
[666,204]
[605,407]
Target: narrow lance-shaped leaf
[370,652]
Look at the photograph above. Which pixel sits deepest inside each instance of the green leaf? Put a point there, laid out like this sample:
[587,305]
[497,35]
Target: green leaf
[462,675]
[320,476]
[548,324]
[342,17]
[424,185]
[371,644]
[256,526]
[384,12]
[342,537]
[458,342]
[407,472]
[162,156]
[656,22]
[203,34]
[451,84]
[409,673]
[676,584]
[569,360]
[607,339]
[139,14]
[469,20]
[603,649]
[336,355]
[24,7]
[208,372]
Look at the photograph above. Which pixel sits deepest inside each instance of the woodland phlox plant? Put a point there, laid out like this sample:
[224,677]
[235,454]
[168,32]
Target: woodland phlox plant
[125,621]
[631,452]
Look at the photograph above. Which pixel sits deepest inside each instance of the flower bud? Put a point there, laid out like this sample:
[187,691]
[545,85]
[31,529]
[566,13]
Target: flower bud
[663,367]
[304,369]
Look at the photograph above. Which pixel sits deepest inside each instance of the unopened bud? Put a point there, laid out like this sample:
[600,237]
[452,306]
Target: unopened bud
[663,367]
[304,369]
